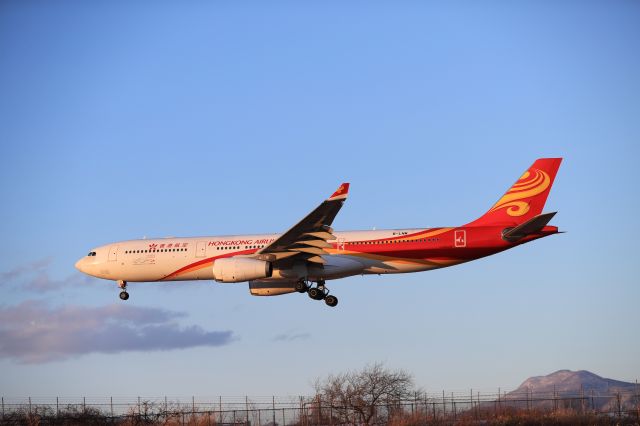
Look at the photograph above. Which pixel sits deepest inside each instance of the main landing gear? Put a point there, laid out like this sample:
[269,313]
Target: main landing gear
[123,285]
[320,292]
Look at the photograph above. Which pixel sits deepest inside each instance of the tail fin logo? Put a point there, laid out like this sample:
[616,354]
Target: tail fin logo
[530,184]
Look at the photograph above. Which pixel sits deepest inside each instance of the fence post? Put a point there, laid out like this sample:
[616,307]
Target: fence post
[426,408]
[29,405]
[139,410]
[637,399]
[619,405]
[472,407]
[444,406]
[453,404]
[301,419]
[331,411]
[84,405]
[273,406]
[57,407]
[284,422]
[193,406]
[220,412]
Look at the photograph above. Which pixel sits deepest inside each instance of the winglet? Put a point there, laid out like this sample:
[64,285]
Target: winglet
[341,193]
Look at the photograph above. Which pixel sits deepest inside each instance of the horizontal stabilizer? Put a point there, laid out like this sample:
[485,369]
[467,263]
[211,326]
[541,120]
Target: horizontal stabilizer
[533,225]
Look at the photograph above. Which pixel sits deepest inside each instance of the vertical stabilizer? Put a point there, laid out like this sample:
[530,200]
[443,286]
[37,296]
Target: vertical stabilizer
[526,198]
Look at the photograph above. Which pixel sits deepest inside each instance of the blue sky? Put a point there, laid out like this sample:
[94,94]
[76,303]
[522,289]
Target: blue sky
[119,121]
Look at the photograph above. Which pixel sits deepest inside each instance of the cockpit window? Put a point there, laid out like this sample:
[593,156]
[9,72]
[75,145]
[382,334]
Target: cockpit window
[92,253]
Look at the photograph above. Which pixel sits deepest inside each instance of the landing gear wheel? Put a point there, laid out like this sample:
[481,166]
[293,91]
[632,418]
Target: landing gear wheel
[331,300]
[123,286]
[315,293]
[301,287]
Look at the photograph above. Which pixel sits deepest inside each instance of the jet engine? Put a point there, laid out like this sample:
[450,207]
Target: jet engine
[238,269]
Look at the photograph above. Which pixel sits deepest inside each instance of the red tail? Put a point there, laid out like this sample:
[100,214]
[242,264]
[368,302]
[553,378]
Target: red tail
[526,198]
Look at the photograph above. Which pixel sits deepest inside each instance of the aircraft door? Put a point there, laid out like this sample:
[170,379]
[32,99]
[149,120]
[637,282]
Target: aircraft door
[113,253]
[201,249]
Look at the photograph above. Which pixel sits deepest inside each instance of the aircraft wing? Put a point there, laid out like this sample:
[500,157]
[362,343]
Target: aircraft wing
[308,238]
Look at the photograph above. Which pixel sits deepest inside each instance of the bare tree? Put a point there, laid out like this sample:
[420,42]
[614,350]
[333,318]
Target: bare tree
[356,397]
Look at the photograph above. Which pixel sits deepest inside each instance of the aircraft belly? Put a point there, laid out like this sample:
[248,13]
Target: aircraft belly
[398,267]
[337,266]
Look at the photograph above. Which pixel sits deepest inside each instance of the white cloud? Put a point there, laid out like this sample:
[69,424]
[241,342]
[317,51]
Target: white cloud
[35,277]
[30,268]
[291,336]
[32,332]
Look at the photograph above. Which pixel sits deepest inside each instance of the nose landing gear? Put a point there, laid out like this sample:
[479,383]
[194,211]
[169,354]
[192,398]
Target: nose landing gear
[123,285]
[320,292]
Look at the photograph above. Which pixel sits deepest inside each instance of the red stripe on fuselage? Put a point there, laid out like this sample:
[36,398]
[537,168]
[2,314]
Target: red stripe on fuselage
[204,262]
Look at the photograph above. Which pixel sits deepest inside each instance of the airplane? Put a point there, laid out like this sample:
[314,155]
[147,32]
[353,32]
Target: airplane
[304,257]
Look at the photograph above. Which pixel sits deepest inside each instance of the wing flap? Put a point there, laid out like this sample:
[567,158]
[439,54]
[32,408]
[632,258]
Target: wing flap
[322,235]
[314,243]
[310,250]
[307,239]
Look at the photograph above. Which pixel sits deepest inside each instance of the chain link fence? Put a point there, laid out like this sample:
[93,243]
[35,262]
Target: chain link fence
[425,408]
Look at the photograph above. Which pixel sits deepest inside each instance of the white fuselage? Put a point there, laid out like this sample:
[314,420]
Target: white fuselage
[177,259]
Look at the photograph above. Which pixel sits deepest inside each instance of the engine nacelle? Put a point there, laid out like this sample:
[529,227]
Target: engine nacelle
[271,288]
[238,269]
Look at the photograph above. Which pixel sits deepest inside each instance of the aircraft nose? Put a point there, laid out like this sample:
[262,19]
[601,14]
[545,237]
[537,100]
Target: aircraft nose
[79,264]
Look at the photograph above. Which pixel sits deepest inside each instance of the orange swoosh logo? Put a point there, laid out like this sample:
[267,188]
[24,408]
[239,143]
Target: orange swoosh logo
[530,184]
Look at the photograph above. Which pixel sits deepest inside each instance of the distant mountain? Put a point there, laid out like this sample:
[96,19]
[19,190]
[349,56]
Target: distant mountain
[567,381]
[582,389]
